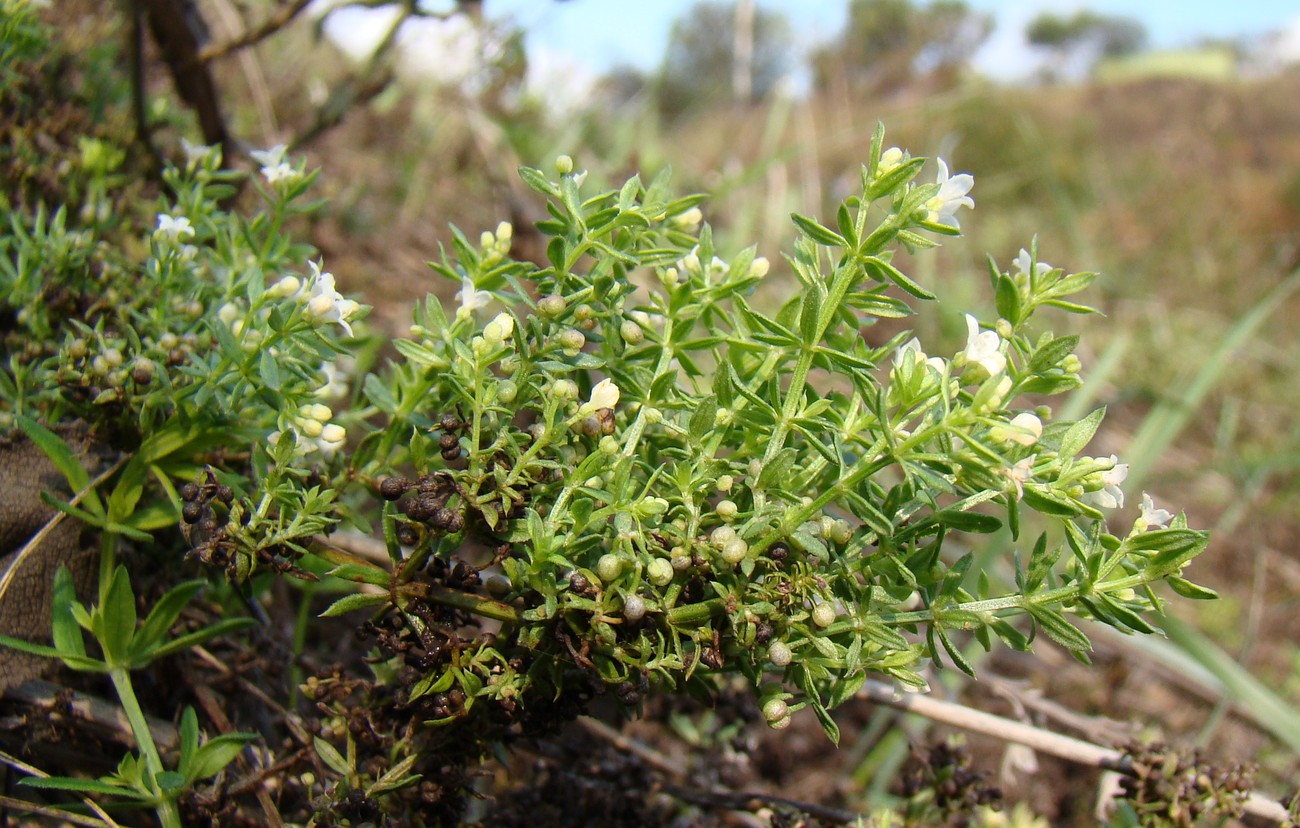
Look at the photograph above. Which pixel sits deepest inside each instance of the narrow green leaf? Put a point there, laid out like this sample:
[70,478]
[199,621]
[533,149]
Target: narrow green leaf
[348,603]
[1080,434]
[217,753]
[90,786]
[63,458]
[973,522]
[197,637]
[164,614]
[1187,589]
[818,233]
[65,631]
[117,617]
[362,573]
[331,757]
[1060,630]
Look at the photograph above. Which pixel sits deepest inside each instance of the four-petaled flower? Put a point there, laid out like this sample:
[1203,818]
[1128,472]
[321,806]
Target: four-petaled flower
[983,349]
[174,228]
[470,299]
[942,207]
[326,303]
[1111,496]
[1151,516]
[274,167]
[1023,261]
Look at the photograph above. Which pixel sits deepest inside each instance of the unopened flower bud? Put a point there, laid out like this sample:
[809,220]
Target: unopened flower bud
[564,164]
[571,340]
[608,567]
[735,550]
[631,332]
[778,652]
[552,305]
[759,267]
[776,713]
[721,536]
[823,614]
[500,328]
[659,572]
[726,509]
[634,608]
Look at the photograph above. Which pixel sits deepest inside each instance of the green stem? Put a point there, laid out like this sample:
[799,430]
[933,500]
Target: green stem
[166,807]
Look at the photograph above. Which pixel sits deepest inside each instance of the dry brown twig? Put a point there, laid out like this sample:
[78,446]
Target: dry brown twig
[1045,741]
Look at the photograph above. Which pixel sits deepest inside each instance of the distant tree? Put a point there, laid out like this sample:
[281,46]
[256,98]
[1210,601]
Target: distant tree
[1086,37]
[889,44]
[703,66]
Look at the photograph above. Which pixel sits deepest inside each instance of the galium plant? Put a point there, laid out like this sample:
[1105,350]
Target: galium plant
[609,471]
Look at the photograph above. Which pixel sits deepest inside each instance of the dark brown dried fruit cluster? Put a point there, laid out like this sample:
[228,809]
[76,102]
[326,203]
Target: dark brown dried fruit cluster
[1181,786]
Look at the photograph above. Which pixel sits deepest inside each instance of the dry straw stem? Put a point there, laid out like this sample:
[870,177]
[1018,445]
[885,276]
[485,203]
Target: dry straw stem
[1064,747]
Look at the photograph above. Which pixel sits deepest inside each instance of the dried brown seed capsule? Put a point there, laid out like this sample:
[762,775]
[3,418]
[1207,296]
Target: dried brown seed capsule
[190,491]
[450,422]
[391,488]
[421,508]
[225,494]
[191,512]
[455,523]
[451,453]
[407,535]
[448,441]
[579,583]
[763,633]
[141,376]
[442,517]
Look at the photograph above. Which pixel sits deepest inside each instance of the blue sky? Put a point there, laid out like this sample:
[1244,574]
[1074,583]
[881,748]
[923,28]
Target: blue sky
[599,34]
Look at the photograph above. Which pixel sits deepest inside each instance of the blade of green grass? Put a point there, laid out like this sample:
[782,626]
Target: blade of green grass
[1167,420]
[1268,710]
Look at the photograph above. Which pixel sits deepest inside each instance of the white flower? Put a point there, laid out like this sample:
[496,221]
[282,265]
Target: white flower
[174,228]
[1151,516]
[274,167]
[195,154]
[983,349]
[1026,428]
[759,267]
[335,386]
[326,303]
[1023,261]
[1019,473]
[942,208]
[1110,496]
[470,299]
[604,395]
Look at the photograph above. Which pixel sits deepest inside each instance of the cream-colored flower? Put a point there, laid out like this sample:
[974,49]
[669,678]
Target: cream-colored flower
[174,228]
[983,348]
[470,299]
[605,394]
[942,207]
[274,168]
[1152,518]
[1023,261]
[325,303]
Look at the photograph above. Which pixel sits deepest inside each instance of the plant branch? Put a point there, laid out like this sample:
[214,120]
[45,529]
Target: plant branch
[255,35]
[1045,741]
